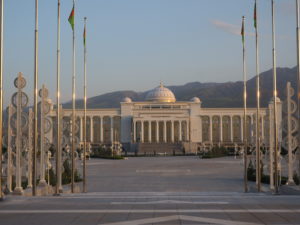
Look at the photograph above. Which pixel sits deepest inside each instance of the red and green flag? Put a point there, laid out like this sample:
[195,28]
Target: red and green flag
[72,18]
[243,32]
[254,16]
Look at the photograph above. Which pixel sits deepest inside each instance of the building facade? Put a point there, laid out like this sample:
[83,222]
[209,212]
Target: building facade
[161,120]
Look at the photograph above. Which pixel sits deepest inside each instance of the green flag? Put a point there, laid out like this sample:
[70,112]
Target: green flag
[84,36]
[243,32]
[71,18]
[254,16]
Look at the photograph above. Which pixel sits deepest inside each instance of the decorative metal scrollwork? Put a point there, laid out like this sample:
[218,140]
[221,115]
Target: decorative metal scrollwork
[20,82]
[43,93]
[23,122]
[24,99]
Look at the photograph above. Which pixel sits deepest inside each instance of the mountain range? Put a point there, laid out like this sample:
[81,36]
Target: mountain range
[212,95]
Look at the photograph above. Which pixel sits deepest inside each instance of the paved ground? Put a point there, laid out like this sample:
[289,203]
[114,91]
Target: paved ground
[176,190]
[166,174]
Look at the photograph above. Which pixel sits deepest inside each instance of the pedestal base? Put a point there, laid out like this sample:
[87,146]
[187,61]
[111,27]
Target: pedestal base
[42,183]
[290,183]
[18,191]
[2,197]
[42,189]
[60,191]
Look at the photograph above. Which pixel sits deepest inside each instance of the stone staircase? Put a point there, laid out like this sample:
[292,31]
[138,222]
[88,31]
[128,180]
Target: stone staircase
[160,149]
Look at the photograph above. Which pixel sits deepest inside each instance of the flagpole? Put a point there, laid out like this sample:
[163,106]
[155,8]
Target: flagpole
[1,93]
[35,122]
[84,131]
[275,103]
[73,109]
[258,164]
[58,134]
[298,69]
[245,111]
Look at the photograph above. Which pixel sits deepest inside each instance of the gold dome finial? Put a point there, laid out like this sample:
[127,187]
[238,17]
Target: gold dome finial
[161,84]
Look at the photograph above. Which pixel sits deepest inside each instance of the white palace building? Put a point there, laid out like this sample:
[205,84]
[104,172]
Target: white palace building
[160,123]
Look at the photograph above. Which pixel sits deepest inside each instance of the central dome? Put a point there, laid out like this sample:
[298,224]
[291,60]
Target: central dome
[161,94]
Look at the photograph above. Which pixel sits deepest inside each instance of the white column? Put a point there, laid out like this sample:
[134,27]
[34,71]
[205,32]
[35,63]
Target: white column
[157,131]
[165,131]
[187,130]
[172,131]
[231,128]
[210,129]
[111,129]
[101,128]
[149,131]
[142,131]
[242,128]
[134,131]
[180,130]
[91,129]
[81,129]
[251,128]
[262,128]
[221,128]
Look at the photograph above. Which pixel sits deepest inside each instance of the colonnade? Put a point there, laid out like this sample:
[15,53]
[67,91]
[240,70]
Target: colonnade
[214,128]
[91,128]
[156,131]
[230,126]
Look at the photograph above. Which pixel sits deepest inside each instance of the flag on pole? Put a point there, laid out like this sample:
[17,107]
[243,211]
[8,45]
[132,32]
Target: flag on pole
[243,32]
[71,18]
[254,16]
[84,36]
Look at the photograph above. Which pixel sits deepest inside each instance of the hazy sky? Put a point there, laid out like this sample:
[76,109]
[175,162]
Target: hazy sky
[135,44]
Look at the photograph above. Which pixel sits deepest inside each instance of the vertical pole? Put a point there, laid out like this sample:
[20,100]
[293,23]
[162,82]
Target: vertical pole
[271,146]
[298,70]
[58,186]
[258,164]
[9,151]
[30,115]
[1,92]
[73,110]
[84,131]
[18,189]
[289,135]
[42,181]
[35,93]
[275,104]
[245,119]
